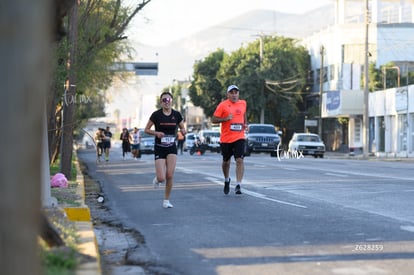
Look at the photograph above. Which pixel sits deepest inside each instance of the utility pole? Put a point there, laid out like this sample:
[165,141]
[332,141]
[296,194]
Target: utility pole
[262,86]
[365,118]
[321,73]
[25,72]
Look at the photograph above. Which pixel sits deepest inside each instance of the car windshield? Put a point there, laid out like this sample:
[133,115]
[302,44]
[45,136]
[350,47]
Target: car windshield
[144,135]
[308,138]
[262,129]
[212,134]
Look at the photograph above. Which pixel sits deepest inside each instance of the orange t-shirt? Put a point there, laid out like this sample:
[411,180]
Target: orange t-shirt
[233,129]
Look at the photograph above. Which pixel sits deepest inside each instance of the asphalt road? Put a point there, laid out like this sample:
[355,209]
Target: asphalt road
[296,216]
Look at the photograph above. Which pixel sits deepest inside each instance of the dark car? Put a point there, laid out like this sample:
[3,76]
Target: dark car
[262,138]
[147,143]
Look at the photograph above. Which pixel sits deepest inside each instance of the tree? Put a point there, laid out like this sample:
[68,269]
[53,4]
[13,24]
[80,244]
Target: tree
[206,90]
[242,68]
[284,70]
[100,42]
[281,74]
[375,76]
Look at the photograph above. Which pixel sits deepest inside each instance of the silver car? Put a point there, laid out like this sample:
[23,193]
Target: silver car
[147,143]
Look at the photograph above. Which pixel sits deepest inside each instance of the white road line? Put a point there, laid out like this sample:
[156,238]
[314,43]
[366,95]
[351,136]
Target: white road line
[382,176]
[258,195]
[290,169]
[261,196]
[337,175]
[407,228]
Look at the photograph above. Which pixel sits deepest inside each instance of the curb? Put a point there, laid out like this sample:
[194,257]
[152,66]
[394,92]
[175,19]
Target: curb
[81,216]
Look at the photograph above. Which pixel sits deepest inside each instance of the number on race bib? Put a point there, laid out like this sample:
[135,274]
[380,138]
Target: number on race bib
[236,127]
[167,140]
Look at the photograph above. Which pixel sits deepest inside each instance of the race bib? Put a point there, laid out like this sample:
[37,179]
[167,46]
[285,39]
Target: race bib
[167,140]
[236,127]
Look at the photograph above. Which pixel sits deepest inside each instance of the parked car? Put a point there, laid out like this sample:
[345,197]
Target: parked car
[189,141]
[193,144]
[147,143]
[262,138]
[211,139]
[307,144]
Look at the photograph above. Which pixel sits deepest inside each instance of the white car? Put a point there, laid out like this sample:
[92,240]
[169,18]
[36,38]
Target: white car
[211,139]
[190,138]
[307,144]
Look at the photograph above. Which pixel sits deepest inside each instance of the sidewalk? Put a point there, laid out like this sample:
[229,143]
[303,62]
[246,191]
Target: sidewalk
[333,155]
[81,216]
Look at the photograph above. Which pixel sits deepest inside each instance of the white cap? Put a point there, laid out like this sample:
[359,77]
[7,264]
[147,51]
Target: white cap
[232,87]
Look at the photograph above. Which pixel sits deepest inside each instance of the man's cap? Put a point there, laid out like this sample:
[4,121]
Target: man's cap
[232,87]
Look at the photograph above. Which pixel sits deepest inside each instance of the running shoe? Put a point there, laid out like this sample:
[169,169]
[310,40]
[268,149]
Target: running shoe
[167,204]
[155,183]
[237,190]
[226,189]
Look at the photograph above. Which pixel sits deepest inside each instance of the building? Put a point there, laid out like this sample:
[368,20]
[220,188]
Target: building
[194,116]
[339,51]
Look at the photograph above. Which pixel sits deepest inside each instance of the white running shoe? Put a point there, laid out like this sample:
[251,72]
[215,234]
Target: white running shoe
[155,183]
[167,204]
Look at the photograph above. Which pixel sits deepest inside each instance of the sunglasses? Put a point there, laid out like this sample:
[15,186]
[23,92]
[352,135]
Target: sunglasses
[166,100]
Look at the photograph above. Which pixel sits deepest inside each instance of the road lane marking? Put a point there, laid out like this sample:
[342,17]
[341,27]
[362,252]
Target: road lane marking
[290,169]
[258,195]
[337,175]
[407,228]
[261,196]
[253,194]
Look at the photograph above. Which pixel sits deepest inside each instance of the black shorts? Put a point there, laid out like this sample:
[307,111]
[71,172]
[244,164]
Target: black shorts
[106,144]
[162,152]
[235,149]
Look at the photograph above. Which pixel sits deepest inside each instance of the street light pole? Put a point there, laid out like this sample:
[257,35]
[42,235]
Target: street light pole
[322,52]
[262,86]
[365,117]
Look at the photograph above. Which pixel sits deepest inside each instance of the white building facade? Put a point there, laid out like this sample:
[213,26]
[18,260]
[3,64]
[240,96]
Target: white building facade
[340,51]
[391,121]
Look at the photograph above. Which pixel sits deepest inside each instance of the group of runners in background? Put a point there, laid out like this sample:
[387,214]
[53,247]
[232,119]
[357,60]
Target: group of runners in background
[130,143]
